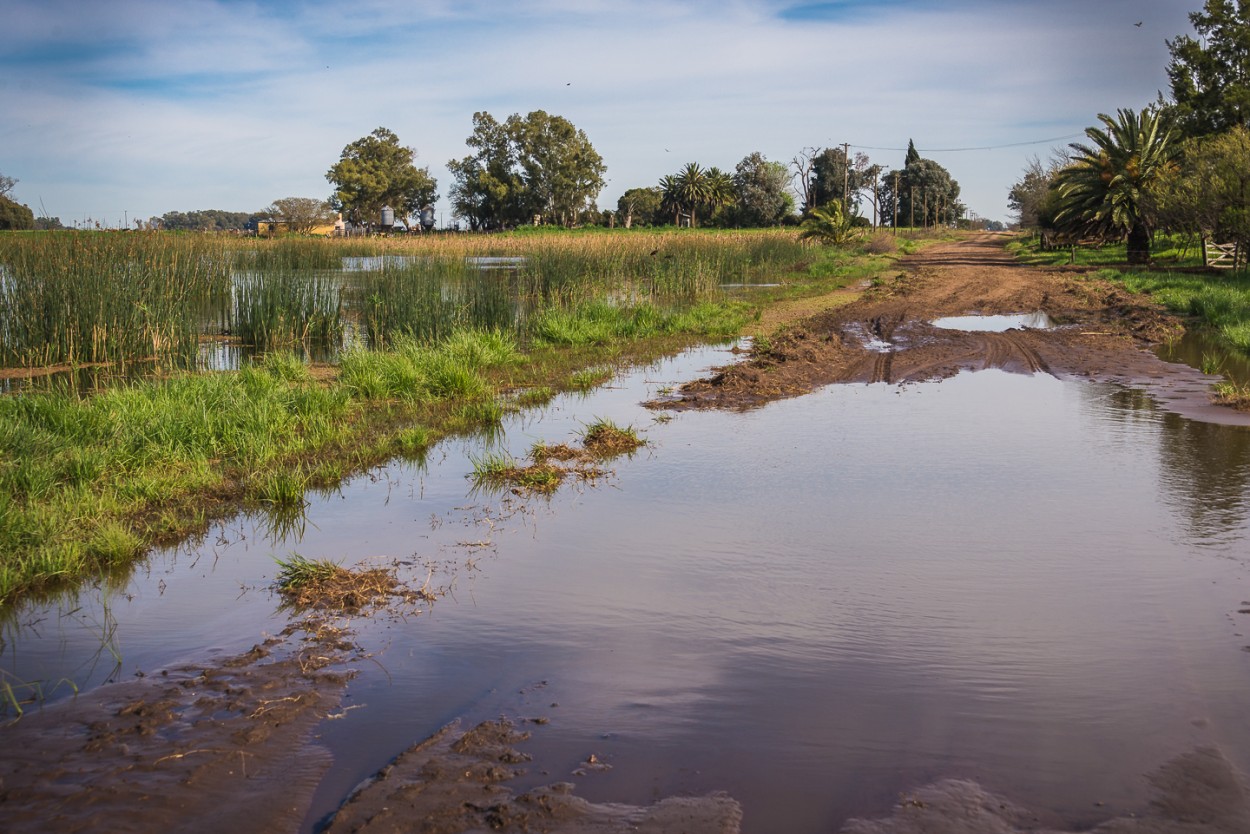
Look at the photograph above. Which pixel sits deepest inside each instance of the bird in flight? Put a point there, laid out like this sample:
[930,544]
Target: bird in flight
[1139,23]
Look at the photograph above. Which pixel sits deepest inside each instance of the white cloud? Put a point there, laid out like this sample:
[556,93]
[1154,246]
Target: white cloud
[155,106]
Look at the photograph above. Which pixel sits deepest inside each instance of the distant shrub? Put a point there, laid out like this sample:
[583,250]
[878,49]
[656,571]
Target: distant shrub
[881,243]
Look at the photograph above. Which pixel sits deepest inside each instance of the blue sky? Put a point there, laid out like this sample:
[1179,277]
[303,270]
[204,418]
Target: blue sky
[118,109]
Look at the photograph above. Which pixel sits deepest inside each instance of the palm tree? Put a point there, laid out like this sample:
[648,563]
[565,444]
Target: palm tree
[721,189]
[670,197]
[828,224]
[1103,191]
[693,189]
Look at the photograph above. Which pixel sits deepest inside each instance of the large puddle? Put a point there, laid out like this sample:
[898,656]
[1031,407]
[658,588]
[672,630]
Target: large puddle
[814,606]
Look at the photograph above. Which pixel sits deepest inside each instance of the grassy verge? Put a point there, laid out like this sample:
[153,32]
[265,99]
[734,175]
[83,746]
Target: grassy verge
[89,484]
[1167,251]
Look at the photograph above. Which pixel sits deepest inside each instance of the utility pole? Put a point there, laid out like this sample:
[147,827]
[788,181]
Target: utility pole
[895,214]
[846,178]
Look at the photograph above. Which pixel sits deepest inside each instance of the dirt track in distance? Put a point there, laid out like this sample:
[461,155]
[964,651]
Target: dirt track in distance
[1104,334]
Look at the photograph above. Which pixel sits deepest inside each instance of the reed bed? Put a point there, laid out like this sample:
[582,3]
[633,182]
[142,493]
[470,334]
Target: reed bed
[89,297]
[75,297]
[286,308]
[431,298]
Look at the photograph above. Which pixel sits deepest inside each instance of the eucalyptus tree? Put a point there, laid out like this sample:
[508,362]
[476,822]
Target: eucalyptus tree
[640,206]
[376,171]
[537,165]
[1103,192]
[761,187]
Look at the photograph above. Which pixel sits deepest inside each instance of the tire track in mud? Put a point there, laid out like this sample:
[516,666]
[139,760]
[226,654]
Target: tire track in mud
[881,367]
[1032,359]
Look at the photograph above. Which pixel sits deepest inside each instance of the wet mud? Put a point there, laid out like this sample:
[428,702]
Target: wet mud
[225,747]
[457,782]
[1104,334]
[1196,793]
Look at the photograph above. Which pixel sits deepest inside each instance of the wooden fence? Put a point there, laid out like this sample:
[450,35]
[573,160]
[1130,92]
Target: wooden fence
[1222,255]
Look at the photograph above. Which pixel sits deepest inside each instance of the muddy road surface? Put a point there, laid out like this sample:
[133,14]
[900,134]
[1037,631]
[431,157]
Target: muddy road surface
[1093,330]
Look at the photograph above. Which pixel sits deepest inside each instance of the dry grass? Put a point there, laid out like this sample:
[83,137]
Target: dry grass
[324,585]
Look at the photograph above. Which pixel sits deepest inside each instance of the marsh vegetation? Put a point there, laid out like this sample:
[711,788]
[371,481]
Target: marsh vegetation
[422,342]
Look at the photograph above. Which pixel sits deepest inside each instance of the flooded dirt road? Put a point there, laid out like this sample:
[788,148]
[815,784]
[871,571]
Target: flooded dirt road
[922,325]
[995,602]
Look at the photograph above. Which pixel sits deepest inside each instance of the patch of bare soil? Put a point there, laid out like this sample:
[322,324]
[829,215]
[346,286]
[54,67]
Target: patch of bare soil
[456,782]
[886,335]
[1196,793]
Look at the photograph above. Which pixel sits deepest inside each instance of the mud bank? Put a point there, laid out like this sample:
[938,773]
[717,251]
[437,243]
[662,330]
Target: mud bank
[1103,334]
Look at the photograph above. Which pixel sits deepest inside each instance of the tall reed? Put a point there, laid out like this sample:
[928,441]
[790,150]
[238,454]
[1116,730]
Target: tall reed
[284,308]
[77,297]
[432,297]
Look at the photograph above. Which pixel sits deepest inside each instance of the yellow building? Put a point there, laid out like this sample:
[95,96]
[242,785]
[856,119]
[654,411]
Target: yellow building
[270,228]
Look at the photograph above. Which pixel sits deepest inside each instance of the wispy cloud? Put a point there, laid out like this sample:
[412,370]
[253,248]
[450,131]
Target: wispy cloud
[148,106]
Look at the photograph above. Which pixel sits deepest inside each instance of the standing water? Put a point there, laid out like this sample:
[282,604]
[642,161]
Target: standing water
[814,606]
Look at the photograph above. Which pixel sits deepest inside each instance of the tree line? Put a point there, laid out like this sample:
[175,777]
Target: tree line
[541,169]
[1181,164]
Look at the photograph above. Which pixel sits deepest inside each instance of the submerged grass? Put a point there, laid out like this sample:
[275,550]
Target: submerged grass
[498,470]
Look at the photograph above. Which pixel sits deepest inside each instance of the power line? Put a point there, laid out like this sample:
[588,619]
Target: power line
[983,148]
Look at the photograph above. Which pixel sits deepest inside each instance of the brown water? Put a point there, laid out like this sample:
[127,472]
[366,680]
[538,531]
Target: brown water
[814,606]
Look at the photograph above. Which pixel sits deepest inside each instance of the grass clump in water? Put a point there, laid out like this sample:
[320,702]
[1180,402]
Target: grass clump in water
[322,584]
[589,378]
[604,438]
[497,470]
[1232,394]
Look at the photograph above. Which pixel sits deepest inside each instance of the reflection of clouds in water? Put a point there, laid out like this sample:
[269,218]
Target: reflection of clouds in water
[840,596]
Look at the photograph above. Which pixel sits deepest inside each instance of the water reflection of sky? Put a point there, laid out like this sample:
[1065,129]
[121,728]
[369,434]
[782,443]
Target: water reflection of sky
[814,605]
[996,323]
